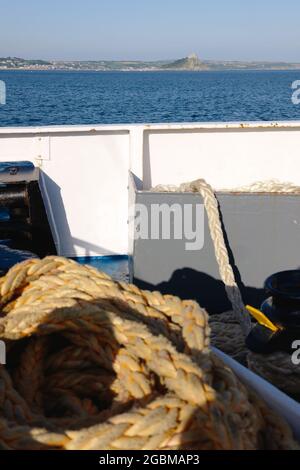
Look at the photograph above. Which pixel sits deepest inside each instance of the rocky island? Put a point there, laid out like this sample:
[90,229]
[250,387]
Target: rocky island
[192,62]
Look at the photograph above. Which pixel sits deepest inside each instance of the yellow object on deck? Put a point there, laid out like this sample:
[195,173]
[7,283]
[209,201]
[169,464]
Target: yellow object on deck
[261,318]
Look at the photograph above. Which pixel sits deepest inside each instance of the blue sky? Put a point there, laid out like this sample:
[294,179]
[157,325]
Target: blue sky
[156,29]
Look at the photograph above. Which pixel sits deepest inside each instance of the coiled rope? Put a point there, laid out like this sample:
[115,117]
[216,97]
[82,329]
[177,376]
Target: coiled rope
[98,364]
[226,328]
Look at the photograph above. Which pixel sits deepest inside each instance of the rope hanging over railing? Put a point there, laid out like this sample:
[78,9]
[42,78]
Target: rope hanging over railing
[215,226]
[226,335]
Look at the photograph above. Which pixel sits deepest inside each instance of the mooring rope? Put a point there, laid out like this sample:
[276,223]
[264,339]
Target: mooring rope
[215,226]
[269,186]
[277,367]
[98,364]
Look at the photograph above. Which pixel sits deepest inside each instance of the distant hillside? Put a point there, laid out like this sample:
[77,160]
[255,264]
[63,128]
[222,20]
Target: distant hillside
[16,63]
[192,62]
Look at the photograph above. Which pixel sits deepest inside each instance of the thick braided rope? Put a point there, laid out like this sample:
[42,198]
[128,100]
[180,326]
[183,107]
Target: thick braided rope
[278,369]
[270,186]
[97,364]
[226,335]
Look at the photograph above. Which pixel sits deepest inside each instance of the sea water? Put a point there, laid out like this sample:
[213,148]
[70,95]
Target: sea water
[35,98]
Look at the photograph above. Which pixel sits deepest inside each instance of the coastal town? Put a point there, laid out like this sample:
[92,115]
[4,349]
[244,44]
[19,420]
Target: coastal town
[189,63]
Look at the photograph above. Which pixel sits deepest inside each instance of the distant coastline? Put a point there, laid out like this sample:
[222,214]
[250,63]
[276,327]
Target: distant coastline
[190,63]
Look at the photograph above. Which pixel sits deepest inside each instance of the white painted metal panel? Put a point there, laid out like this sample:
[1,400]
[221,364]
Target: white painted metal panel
[86,180]
[16,148]
[226,158]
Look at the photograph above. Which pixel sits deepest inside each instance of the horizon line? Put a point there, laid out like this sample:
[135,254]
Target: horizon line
[155,60]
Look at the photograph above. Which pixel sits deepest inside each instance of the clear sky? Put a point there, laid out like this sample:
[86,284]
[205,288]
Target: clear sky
[150,29]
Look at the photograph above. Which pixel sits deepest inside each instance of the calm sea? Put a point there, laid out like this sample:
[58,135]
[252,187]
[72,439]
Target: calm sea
[45,98]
